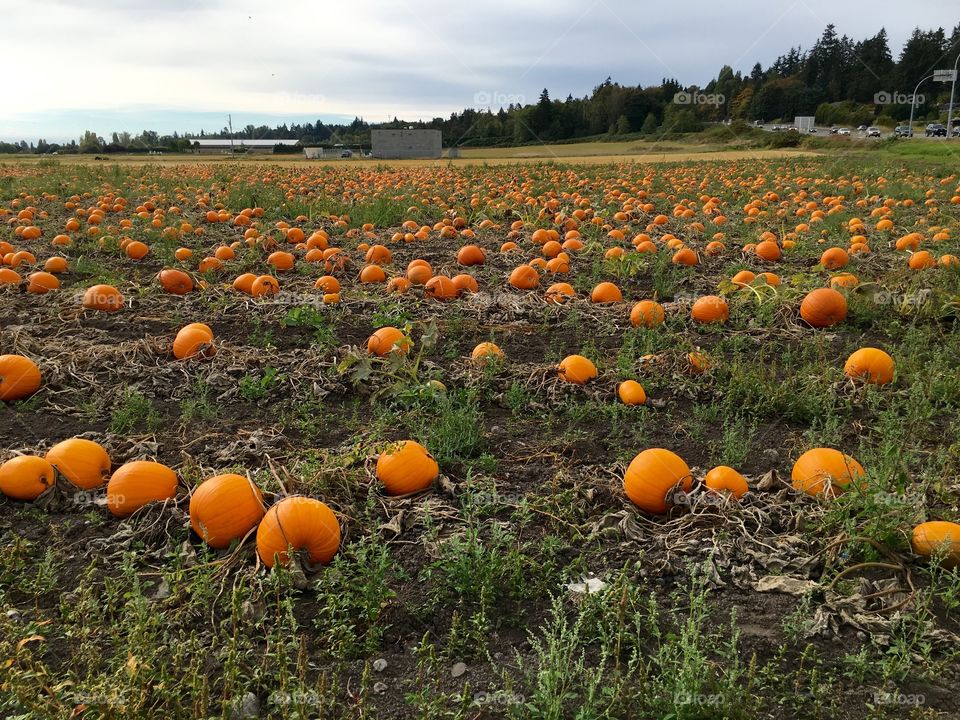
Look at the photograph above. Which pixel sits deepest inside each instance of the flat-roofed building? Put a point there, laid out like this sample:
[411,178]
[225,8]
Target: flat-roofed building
[220,145]
[404,144]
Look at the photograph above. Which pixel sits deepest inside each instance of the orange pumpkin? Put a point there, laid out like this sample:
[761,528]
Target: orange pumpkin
[105,298]
[26,477]
[441,288]
[40,283]
[726,479]
[174,281]
[651,475]
[559,293]
[137,484]
[194,340]
[84,463]
[406,467]
[465,283]
[264,285]
[577,369]
[281,260]
[606,292]
[710,309]
[834,258]
[824,470]
[646,313]
[327,283]
[871,365]
[225,508]
[524,277]
[302,524]
[631,392]
[19,377]
[372,274]
[823,307]
[386,340]
[471,255]
[938,538]
[486,351]
[244,283]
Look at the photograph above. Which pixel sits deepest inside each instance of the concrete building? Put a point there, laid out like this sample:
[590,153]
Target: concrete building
[207,146]
[409,143]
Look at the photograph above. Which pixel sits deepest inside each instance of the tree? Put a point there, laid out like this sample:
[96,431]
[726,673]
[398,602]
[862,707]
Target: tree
[90,143]
[623,125]
[649,124]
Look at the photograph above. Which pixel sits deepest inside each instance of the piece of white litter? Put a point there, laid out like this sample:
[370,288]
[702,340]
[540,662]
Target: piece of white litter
[587,586]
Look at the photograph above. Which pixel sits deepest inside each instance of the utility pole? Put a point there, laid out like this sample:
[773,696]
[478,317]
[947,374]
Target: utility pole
[953,85]
[230,122]
[913,101]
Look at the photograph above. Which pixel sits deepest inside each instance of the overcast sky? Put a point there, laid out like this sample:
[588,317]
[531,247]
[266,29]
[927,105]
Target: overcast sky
[167,65]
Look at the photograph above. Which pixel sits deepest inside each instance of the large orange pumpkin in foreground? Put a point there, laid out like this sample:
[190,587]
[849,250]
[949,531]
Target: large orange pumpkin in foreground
[19,377]
[936,537]
[871,365]
[84,463]
[26,477]
[651,474]
[194,340]
[137,484]
[224,508]
[406,468]
[823,307]
[577,369]
[824,470]
[300,523]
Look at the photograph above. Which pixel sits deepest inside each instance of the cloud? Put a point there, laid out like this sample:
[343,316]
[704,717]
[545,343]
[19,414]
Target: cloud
[380,58]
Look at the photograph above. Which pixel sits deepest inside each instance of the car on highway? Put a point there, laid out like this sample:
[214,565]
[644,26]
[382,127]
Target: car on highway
[936,130]
[861,128]
[902,131]
[873,131]
[843,131]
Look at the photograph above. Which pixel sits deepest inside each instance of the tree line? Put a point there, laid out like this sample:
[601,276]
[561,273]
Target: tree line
[839,80]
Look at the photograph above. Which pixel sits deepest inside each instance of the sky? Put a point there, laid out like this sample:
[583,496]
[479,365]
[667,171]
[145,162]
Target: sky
[165,65]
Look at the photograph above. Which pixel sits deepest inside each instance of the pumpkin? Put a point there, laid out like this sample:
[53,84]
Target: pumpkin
[225,508]
[379,255]
[871,365]
[40,283]
[767,250]
[921,260]
[937,537]
[723,478]
[194,340]
[699,362]
[176,282]
[651,474]
[824,470]
[136,250]
[834,258]
[419,272]
[823,307]
[559,293]
[710,309]
[137,484]
[281,260]
[19,377]
[471,255]
[105,298]
[685,256]
[386,340]
[406,467]
[577,369]
[9,277]
[264,285]
[744,277]
[327,283]
[244,283]
[84,463]
[372,274]
[631,393]
[26,477]
[486,351]
[441,288]
[606,292]
[524,277]
[647,313]
[398,285]
[303,524]
[465,283]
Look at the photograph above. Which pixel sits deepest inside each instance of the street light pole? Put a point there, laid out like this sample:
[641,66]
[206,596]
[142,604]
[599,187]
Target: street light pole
[913,100]
[953,84]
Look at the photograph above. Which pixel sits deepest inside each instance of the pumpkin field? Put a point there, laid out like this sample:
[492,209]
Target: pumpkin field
[605,440]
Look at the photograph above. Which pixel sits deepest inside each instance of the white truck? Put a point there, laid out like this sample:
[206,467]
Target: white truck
[805,123]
